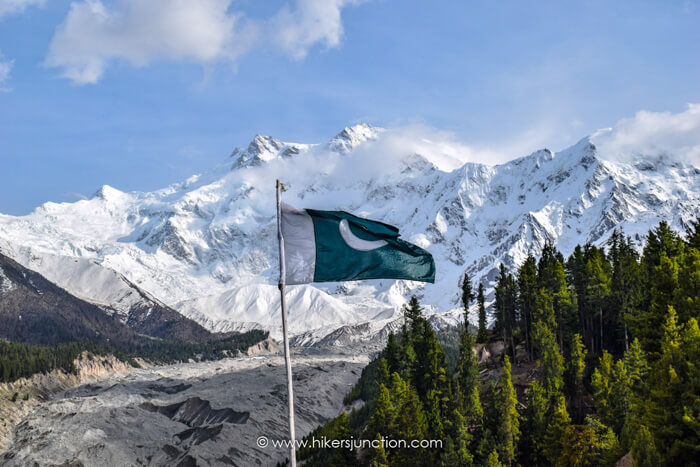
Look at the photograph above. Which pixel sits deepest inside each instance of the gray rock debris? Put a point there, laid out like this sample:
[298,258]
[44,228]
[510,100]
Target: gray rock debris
[208,413]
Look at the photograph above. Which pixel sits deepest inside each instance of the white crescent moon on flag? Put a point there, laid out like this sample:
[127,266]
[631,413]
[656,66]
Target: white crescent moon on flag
[356,242]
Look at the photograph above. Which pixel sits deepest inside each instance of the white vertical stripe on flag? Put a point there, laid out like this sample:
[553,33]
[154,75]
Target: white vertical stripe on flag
[299,245]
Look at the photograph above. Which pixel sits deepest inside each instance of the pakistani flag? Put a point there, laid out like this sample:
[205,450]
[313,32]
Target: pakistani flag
[329,246]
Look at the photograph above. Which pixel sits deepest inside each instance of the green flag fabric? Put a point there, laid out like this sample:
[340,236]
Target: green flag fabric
[334,246]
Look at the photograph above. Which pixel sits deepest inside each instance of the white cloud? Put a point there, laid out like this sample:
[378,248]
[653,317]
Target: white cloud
[95,34]
[140,32]
[8,7]
[441,148]
[5,70]
[313,21]
[675,135]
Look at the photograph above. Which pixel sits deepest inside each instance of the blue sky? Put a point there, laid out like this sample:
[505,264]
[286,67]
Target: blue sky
[111,93]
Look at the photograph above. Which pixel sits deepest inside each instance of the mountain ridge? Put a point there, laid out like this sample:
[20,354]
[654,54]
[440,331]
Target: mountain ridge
[206,247]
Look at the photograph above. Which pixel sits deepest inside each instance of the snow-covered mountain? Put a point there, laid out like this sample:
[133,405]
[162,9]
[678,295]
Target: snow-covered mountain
[207,246]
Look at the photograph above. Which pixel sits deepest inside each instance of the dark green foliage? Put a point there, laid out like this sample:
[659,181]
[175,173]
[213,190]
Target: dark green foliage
[552,278]
[597,294]
[450,340]
[481,335]
[575,368]
[535,425]
[368,384]
[611,391]
[671,410]
[527,296]
[19,360]
[179,351]
[626,290]
[548,353]
[337,428]
[467,384]
[559,422]
[692,234]
[507,421]
[467,296]
[506,302]
[591,445]
[628,326]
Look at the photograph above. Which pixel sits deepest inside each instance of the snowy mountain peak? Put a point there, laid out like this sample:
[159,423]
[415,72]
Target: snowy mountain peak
[263,145]
[108,193]
[264,149]
[352,136]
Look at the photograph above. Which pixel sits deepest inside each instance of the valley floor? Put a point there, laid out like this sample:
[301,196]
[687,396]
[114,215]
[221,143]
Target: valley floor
[209,413]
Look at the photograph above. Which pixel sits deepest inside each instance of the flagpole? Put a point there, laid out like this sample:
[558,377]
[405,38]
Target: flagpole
[287,359]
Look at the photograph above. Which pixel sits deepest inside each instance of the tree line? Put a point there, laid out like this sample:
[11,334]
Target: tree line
[20,360]
[611,337]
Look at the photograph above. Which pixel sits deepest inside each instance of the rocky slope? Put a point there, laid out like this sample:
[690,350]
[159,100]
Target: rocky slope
[190,414]
[30,392]
[206,247]
[37,311]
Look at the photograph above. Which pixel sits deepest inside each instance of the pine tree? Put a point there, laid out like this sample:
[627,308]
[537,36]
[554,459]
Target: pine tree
[626,288]
[467,296]
[576,276]
[644,450]
[687,295]
[413,314]
[506,303]
[507,432]
[575,369]
[611,391]
[392,353]
[552,277]
[467,379]
[649,323]
[379,456]
[381,422]
[559,423]
[457,451]
[410,422]
[597,292]
[672,410]
[527,297]
[481,334]
[661,241]
[637,371]
[343,457]
[407,354]
[692,234]
[636,364]
[609,450]
[589,445]
[550,360]
[535,425]
[430,368]
[492,460]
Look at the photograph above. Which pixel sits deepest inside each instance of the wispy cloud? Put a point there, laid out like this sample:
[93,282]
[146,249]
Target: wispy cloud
[95,34]
[675,135]
[8,7]
[296,30]
[75,196]
[5,70]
